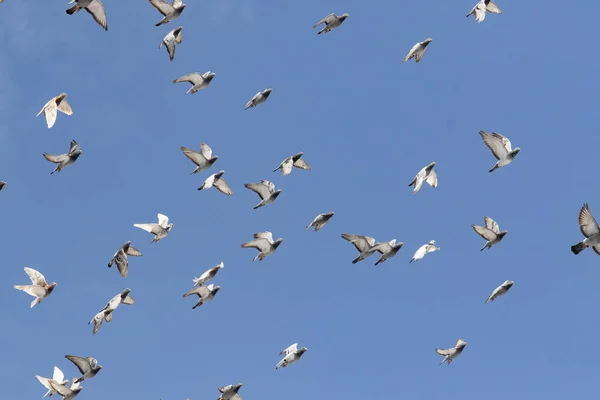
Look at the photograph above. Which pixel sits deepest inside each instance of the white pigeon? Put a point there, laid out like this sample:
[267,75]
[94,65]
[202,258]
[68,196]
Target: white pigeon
[258,98]
[170,11]
[204,293]
[418,50]
[426,248]
[106,313]
[58,103]
[39,288]
[174,37]
[120,258]
[219,183]
[387,250]
[94,7]
[57,376]
[364,245]
[331,21]
[230,392]
[500,290]
[453,352]
[292,161]
[320,220]
[480,9]
[203,159]
[426,174]
[263,242]
[199,81]
[291,355]
[589,228]
[490,232]
[208,275]
[501,148]
[159,230]
[265,190]
[67,393]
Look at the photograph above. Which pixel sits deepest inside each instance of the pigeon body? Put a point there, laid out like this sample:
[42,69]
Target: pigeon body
[426,248]
[106,313]
[94,7]
[364,245]
[39,288]
[265,190]
[258,98]
[88,367]
[500,290]
[263,242]
[426,174]
[387,250]
[230,392]
[321,220]
[64,160]
[291,355]
[480,9]
[169,11]
[219,183]
[57,377]
[500,147]
[204,293]
[51,108]
[199,81]
[174,37]
[67,393]
[208,275]
[453,352]
[418,50]
[2,185]
[120,258]
[203,159]
[490,232]
[589,228]
[159,230]
[331,21]
[292,161]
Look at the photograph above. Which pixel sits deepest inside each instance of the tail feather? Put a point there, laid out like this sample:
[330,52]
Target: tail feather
[357,259]
[73,9]
[576,249]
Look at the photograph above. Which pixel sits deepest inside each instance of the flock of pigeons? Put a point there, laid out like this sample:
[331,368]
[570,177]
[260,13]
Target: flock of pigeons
[263,242]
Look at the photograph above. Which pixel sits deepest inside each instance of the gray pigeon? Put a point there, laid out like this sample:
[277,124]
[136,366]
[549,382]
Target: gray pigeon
[258,98]
[490,232]
[321,220]
[418,50]
[426,174]
[2,185]
[387,250]
[67,393]
[500,290]
[218,182]
[120,258]
[230,392]
[364,244]
[170,11]
[501,148]
[64,160]
[172,38]
[453,352]
[331,21]
[263,242]
[589,228]
[160,230]
[265,190]
[204,293]
[94,7]
[290,355]
[480,9]
[199,81]
[292,161]
[106,313]
[88,367]
[203,159]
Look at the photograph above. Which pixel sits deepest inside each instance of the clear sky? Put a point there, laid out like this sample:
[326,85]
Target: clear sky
[366,124]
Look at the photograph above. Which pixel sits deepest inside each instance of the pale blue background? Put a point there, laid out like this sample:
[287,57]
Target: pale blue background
[366,123]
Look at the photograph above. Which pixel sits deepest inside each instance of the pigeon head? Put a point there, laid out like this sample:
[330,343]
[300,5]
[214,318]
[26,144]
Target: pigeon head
[508,284]
[276,193]
[302,350]
[461,344]
[515,152]
[277,242]
[51,287]
[212,160]
[502,234]
[343,17]
[219,174]
[237,387]
[392,242]
[209,76]
[267,92]
[432,242]
[427,41]
[125,292]
[215,289]
[221,265]
[169,227]
[182,6]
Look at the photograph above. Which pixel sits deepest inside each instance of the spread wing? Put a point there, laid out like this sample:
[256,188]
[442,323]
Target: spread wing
[170,48]
[65,108]
[444,352]
[73,146]
[223,187]
[36,277]
[382,247]
[122,265]
[328,19]
[259,188]
[163,220]
[260,244]
[81,363]
[205,150]
[495,144]
[432,178]
[264,235]
[362,243]
[177,3]
[162,7]
[484,232]
[194,156]
[58,375]
[177,32]
[45,382]
[56,159]
[96,9]
[587,222]
[291,349]
[132,251]
[60,389]
[50,113]
[505,142]
[493,8]
[195,78]
[491,225]
[128,300]
[300,163]
[147,227]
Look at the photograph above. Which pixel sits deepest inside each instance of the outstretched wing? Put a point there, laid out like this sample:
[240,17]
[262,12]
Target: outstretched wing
[81,363]
[493,8]
[259,188]
[163,220]
[36,277]
[444,352]
[56,159]
[96,10]
[362,243]
[432,178]
[300,163]
[484,232]
[163,7]
[147,227]
[205,150]
[326,20]
[65,108]
[194,156]
[264,235]
[494,143]
[587,222]
[382,247]
[58,375]
[195,78]
[259,244]
[222,186]
[491,225]
[291,349]
[504,140]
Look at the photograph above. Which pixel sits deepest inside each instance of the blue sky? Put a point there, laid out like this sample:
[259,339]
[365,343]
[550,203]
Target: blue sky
[366,123]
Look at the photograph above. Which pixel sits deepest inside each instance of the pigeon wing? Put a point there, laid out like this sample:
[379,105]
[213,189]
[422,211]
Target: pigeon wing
[328,19]
[163,7]
[444,352]
[494,143]
[205,150]
[587,222]
[484,232]
[96,10]
[195,78]
[493,8]
[491,225]
[194,156]
[128,300]
[50,113]
[45,382]
[300,163]
[36,277]
[260,244]
[81,363]
[432,178]
[223,187]
[65,108]
[264,235]
[60,389]
[58,375]
[382,247]
[505,142]
[163,220]
[73,146]
[259,188]
[287,167]
[291,349]
[147,227]
[132,251]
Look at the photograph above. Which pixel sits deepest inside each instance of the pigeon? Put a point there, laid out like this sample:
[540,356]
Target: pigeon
[169,41]
[500,291]
[427,174]
[67,393]
[490,232]
[159,230]
[331,21]
[57,377]
[480,9]
[265,190]
[106,313]
[199,81]
[292,161]
[263,242]
[87,366]
[589,228]
[418,50]
[208,275]
[426,248]
[204,293]
[218,182]
[51,108]
[64,160]
[500,147]
[291,355]
[203,160]
[39,288]
[453,352]
[120,258]
[2,185]
[170,11]
[258,98]
[364,244]
[321,220]
[94,7]
[230,392]
[387,250]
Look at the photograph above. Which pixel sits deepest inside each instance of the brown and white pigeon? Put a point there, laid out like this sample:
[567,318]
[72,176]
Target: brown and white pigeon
[39,288]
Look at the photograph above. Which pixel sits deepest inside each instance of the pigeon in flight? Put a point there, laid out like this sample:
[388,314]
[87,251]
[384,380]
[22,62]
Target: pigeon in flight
[159,230]
[218,182]
[331,21]
[452,353]
[427,174]
[50,109]
[94,7]
[67,393]
[501,148]
[172,38]
[265,190]
[203,160]
[199,81]
[39,288]
[2,185]
[64,160]
[500,290]
[418,50]
[106,313]
[170,11]
[426,248]
[480,9]
[88,367]
[490,232]
[208,275]
[292,161]
[204,293]
[258,98]
[364,244]
[263,242]
[321,220]
[291,355]
[120,258]
[387,250]
[230,392]
[589,228]
[57,377]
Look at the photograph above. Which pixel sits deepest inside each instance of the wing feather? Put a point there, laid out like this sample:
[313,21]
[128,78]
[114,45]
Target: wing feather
[494,143]
[484,232]
[587,222]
